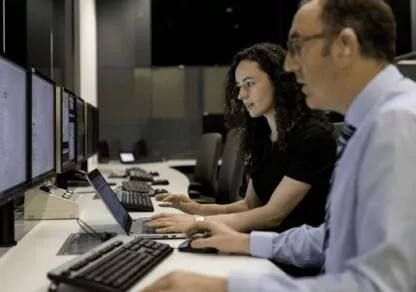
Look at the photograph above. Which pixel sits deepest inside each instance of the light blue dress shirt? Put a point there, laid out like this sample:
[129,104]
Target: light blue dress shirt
[372,246]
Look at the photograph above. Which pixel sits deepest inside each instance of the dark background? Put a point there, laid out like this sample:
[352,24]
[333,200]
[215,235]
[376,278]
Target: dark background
[205,32]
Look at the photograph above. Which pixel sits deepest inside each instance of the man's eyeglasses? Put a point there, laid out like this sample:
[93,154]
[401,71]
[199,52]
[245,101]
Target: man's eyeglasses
[294,45]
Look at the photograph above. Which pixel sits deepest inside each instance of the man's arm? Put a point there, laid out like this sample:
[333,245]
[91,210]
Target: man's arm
[300,246]
[384,221]
[287,195]
[388,267]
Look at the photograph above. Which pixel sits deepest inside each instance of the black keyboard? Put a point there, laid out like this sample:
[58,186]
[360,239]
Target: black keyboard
[114,266]
[137,186]
[136,168]
[137,202]
[140,176]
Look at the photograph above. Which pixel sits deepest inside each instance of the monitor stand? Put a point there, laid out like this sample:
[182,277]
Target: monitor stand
[7,225]
[48,202]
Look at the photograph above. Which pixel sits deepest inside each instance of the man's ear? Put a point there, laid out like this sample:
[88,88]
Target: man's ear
[346,47]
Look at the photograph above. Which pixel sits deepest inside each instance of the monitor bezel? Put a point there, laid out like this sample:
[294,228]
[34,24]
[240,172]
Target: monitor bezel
[70,164]
[90,109]
[8,194]
[78,161]
[51,173]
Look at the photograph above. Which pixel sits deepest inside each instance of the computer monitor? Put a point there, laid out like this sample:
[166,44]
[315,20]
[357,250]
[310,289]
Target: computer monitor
[80,129]
[408,68]
[65,130]
[14,154]
[90,130]
[42,103]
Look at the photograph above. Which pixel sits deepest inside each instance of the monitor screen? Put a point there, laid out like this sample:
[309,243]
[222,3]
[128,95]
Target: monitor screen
[43,127]
[408,68]
[90,130]
[68,128]
[80,139]
[110,199]
[13,126]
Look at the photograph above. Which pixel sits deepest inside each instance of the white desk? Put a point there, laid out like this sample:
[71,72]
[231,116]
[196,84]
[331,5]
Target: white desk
[24,267]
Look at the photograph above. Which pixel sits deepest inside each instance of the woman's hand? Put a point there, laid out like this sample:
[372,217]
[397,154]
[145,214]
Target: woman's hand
[170,223]
[180,202]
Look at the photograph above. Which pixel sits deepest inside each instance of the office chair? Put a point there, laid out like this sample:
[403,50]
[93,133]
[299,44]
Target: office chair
[206,168]
[231,171]
[337,129]
[103,151]
[230,176]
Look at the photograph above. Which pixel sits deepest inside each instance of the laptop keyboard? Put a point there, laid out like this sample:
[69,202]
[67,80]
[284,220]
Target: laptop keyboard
[134,201]
[114,266]
[145,229]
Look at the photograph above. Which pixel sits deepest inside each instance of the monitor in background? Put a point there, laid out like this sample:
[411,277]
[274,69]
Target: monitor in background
[96,129]
[67,130]
[408,68]
[90,130]
[80,128]
[13,129]
[43,127]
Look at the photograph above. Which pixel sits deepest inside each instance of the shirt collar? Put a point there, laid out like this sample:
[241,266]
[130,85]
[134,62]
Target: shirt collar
[365,101]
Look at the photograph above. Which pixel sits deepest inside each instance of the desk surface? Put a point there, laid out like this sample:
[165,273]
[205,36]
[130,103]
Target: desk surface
[24,267]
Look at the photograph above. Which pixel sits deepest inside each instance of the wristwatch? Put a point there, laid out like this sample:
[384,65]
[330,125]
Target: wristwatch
[199,219]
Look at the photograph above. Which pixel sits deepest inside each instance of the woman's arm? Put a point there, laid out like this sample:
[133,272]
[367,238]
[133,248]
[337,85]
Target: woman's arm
[287,195]
[250,202]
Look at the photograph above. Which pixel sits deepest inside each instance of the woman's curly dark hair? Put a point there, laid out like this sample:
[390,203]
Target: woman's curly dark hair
[289,103]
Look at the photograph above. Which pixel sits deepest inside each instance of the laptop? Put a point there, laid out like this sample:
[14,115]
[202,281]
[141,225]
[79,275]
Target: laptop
[134,227]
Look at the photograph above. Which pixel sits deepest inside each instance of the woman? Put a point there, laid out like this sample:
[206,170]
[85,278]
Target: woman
[288,148]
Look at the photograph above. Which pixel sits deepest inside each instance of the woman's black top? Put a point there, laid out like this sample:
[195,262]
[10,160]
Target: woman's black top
[310,157]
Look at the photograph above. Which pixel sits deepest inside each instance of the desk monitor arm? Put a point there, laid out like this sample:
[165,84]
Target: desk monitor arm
[7,225]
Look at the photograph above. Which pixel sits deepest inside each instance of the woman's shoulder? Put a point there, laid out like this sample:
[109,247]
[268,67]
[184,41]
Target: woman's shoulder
[313,128]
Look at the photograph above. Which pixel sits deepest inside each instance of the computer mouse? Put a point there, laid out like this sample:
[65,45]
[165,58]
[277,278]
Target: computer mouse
[160,191]
[160,182]
[186,247]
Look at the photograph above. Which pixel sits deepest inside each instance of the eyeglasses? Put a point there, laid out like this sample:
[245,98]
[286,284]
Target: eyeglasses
[295,45]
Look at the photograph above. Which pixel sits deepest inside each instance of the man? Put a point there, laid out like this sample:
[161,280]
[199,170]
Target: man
[341,52]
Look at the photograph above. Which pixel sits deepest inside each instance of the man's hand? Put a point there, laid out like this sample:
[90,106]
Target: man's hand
[188,282]
[180,202]
[222,237]
[170,223]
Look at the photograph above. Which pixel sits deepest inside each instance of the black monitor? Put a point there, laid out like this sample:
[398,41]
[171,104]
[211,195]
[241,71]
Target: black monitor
[68,122]
[90,130]
[80,130]
[14,166]
[43,106]
[14,143]
[408,68]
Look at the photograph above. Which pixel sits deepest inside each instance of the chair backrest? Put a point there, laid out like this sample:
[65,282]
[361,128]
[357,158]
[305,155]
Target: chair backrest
[231,171]
[206,167]
[103,151]
[337,129]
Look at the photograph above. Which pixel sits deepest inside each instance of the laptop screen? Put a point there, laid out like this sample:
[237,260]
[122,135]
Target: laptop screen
[110,199]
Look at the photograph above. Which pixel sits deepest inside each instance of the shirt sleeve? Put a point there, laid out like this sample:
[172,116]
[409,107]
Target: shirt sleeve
[302,246]
[389,267]
[312,154]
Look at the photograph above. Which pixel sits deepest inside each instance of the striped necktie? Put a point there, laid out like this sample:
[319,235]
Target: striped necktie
[347,132]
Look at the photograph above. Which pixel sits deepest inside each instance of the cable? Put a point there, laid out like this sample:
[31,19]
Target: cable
[92,232]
